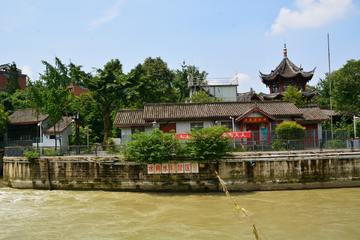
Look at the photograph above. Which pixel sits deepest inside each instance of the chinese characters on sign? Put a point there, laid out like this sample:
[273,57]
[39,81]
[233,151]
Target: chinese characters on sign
[173,168]
[255,120]
[232,135]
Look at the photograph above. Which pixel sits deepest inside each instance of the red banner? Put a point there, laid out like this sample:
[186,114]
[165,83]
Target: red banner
[232,135]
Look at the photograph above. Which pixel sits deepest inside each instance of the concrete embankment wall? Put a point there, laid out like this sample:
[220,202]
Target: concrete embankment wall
[241,173]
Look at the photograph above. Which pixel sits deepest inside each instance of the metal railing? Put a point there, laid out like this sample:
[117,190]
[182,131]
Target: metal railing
[79,150]
[259,141]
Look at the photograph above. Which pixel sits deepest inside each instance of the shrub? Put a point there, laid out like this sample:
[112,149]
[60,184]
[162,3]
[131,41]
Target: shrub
[111,143]
[290,130]
[31,155]
[336,143]
[153,147]
[51,152]
[206,144]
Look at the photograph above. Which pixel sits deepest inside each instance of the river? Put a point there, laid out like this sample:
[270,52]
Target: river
[303,214]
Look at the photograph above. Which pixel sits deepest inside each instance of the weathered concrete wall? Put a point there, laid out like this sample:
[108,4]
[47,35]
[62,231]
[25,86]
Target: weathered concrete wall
[240,173]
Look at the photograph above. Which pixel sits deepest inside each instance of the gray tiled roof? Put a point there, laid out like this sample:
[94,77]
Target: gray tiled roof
[132,117]
[26,116]
[312,113]
[217,110]
[59,127]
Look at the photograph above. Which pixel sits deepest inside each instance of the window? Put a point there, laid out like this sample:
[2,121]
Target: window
[227,124]
[140,129]
[198,125]
[52,136]
[276,87]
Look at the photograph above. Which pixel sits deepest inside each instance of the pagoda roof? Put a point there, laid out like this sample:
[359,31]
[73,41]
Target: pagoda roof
[286,69]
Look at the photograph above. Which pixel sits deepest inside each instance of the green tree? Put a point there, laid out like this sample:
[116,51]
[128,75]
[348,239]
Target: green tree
[4,119]
[89,110]
[322,88]
[207,144]
[12,83]
[181,79]
[107,88]
[202,96]
[56,80]
[346,88]
[292,94]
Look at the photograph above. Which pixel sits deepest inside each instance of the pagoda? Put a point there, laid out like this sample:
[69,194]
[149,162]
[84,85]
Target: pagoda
[287,73]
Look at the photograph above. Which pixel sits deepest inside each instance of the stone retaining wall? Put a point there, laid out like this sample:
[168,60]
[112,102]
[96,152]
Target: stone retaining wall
[241,173]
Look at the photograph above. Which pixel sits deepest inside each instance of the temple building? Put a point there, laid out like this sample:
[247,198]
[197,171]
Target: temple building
[285,74]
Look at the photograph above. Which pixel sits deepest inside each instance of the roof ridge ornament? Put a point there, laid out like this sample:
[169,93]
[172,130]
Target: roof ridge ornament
[285,51]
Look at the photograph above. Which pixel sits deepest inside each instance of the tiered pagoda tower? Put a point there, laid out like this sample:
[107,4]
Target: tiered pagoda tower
[287,73]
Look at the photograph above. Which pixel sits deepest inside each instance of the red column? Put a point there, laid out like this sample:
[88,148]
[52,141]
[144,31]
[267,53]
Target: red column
[268,126]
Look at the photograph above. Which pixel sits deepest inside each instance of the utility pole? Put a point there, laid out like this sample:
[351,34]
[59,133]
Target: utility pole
[331,115]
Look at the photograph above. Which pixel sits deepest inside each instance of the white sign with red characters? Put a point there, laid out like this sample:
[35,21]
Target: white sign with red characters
[195,168]
[187,167]
[157,168]
[180,168]
[151,169]
[172,168]
[165,168]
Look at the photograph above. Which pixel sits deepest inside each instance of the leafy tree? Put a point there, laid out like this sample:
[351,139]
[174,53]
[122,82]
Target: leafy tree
[12,83]
[4,119]
[292,94]
[322,96]
[153,147]
[150,82]
[202,96]
[88,109]
[181,79]
[346,88]
[107,88]
[56,80]
[206,144]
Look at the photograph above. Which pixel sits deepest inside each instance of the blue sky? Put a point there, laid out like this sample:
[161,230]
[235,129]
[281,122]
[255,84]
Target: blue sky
[220,37]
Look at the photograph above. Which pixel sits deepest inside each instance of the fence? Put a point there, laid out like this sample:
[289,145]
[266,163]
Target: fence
[83,150]
[259,141]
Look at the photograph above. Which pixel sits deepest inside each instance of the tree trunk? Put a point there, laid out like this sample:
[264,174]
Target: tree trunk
[107,126]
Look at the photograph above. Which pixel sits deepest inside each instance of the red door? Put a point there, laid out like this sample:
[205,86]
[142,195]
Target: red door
[166,128]
[254,128]
[311,136]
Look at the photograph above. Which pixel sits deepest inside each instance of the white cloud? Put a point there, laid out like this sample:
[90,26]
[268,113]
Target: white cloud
[310,14]
[26,69]
[108,16]
[242,77]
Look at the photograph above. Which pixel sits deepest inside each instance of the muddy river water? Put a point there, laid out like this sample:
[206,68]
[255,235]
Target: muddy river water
[303,214]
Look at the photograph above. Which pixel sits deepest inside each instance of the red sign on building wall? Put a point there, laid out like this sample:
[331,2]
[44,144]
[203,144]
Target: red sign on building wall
[255,120]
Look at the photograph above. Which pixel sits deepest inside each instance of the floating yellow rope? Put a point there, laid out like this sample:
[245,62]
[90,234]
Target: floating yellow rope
[239,209]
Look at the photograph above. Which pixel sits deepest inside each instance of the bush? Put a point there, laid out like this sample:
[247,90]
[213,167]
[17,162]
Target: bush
[336,143]
[287,131]
[206,144]
[51,152]
[31,155]
[153,147]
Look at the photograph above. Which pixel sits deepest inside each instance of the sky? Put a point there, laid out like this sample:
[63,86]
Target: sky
[220,37]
